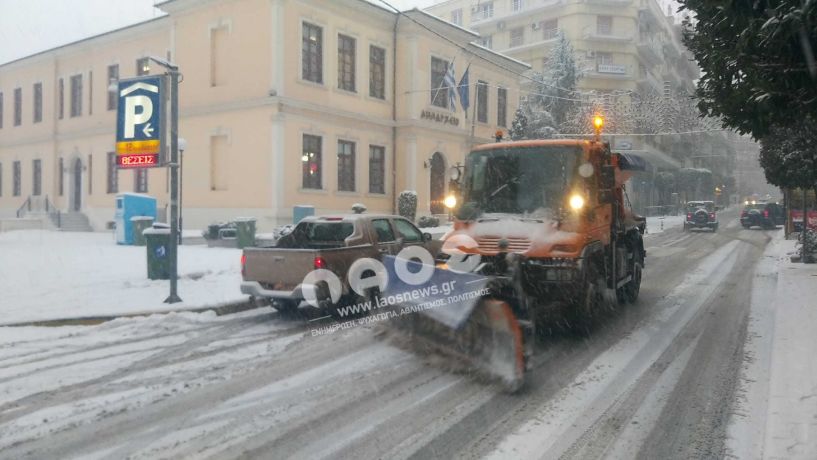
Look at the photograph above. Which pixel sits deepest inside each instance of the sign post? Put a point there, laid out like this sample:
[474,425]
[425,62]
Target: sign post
[140,142]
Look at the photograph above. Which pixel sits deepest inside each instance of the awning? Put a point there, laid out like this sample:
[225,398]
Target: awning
[631,162]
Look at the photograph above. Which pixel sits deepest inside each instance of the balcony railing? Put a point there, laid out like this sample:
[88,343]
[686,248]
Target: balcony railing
[593,33]
[478,18]
[616,69]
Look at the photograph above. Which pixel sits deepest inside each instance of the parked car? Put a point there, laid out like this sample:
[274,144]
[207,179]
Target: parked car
[765,215]
[701,214]
[331,243]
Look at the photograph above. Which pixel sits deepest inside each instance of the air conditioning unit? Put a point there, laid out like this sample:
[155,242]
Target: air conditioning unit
[535,26]
[500,25]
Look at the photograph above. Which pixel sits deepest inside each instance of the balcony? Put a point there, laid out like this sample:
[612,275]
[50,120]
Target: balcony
[650,50]
[592,33]
[611,69]
[547,37]
[529,8]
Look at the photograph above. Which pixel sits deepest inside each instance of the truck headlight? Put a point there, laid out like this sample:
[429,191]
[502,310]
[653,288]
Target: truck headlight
[576,202]
[450,201]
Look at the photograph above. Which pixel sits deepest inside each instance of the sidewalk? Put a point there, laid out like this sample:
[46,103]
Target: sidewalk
[776,409]
[47,275]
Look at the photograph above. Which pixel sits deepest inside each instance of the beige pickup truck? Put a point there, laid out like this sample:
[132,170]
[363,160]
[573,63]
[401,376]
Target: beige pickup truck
[329,242]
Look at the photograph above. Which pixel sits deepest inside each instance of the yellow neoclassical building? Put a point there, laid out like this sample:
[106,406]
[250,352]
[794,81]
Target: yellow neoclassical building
[283,103]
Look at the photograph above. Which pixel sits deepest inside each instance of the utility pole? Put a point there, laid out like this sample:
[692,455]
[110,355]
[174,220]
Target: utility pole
[173,73]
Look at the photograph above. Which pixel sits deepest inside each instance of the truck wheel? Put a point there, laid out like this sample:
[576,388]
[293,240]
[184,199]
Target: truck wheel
[286,307]
[632,288]
[584,309]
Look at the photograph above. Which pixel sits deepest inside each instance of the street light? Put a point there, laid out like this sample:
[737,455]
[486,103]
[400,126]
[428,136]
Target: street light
[173,72]
[182,148]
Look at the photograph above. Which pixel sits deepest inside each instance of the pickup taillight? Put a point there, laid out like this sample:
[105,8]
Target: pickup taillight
[765,213]
[243,265]
[319,262]
[689,216]
[744,214]
[712,215]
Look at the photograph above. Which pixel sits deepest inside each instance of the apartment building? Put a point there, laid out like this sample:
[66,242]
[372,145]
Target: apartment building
[621,45]
[283,103]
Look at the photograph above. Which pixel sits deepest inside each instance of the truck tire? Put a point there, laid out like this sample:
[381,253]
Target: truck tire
[286,307]
[632,289]
[589,301]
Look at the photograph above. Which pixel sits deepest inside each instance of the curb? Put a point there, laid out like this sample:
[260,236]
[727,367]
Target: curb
[226,308]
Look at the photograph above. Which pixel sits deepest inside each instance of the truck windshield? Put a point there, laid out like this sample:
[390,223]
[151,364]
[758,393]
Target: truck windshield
[520,180]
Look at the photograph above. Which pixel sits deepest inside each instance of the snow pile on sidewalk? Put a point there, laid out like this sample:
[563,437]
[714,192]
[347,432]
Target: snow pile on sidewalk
[53,275]
[660,224]
[777,405]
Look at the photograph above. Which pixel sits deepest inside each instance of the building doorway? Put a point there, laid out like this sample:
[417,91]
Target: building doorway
[437,183]
[76,186]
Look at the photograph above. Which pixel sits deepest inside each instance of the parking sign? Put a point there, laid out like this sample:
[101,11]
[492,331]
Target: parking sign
[140,122]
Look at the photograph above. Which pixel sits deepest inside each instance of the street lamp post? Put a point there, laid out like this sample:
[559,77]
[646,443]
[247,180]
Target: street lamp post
[173,72]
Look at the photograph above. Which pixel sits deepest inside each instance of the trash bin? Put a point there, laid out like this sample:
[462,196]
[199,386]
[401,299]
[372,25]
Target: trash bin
[157,239]
[212,231]
[138,225]
[245,232]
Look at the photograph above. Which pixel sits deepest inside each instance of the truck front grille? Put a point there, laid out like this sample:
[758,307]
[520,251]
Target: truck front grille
[490,244]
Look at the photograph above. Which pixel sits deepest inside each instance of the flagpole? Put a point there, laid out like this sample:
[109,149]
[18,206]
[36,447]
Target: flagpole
[474,113]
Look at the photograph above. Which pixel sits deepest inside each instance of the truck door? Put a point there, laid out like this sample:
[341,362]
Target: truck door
[384,238]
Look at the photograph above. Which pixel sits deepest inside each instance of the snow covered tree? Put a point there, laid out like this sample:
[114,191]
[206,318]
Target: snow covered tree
[407,204]
[560,79]
[788,155]
[519,125]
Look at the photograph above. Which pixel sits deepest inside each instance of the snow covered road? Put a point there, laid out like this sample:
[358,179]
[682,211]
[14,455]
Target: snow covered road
[656,380]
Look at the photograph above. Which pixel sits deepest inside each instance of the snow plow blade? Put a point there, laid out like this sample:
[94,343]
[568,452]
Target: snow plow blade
[479,333]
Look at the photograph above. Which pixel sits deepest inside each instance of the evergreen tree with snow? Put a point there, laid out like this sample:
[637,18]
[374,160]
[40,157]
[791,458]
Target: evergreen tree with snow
[560,79]
[519,125]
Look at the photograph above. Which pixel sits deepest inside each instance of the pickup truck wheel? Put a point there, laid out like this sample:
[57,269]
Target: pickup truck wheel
[286,307]
[582,312]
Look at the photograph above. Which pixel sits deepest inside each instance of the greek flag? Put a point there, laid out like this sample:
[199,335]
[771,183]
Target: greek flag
[450,82]
[462,89]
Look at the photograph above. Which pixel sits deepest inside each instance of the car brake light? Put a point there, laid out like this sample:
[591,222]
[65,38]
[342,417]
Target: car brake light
[243,264]
[711,215]
[319,262]
[765,213]
[744,214]
[689,216]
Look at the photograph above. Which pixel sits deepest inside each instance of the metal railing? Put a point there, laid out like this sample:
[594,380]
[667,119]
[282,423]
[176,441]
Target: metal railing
[25,207]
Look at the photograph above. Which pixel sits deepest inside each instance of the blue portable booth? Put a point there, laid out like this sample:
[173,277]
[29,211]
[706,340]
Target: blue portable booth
[131,205]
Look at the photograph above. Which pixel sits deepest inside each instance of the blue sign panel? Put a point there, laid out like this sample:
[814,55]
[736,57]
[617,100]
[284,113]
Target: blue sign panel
[140,122]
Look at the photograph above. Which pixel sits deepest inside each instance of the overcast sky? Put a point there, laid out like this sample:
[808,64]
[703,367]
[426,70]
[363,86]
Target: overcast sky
[31,26]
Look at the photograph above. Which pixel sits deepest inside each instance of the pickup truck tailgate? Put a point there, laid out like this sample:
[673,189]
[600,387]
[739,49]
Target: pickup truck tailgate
[280,268]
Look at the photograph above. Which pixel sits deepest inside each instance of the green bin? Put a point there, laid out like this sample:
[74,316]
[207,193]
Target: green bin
[157,241]
[140,224]
[245,232]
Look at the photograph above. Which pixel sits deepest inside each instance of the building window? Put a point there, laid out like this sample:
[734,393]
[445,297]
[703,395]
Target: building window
[90,174]
[1,110]
[604,25]
[218,55]
[603,59]
[16,179]
[37,177]
[140,181]
[456,17]
[346,62]
[113,173]
[61,99]
[18,106]
[502,107]
[377,72]
[312,53]
[38,102]
[487,41]
[76,96]
[61,178]
[346,166]
[517,5]
[90,93]
[377,169]
[517,37]
[482,101]
[142,66]
[219,163]
[439,90]
[311,162]
[550,29]
[113,78]
[484,11]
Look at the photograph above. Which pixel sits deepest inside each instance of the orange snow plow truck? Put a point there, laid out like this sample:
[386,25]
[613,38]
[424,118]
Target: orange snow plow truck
[545,228]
